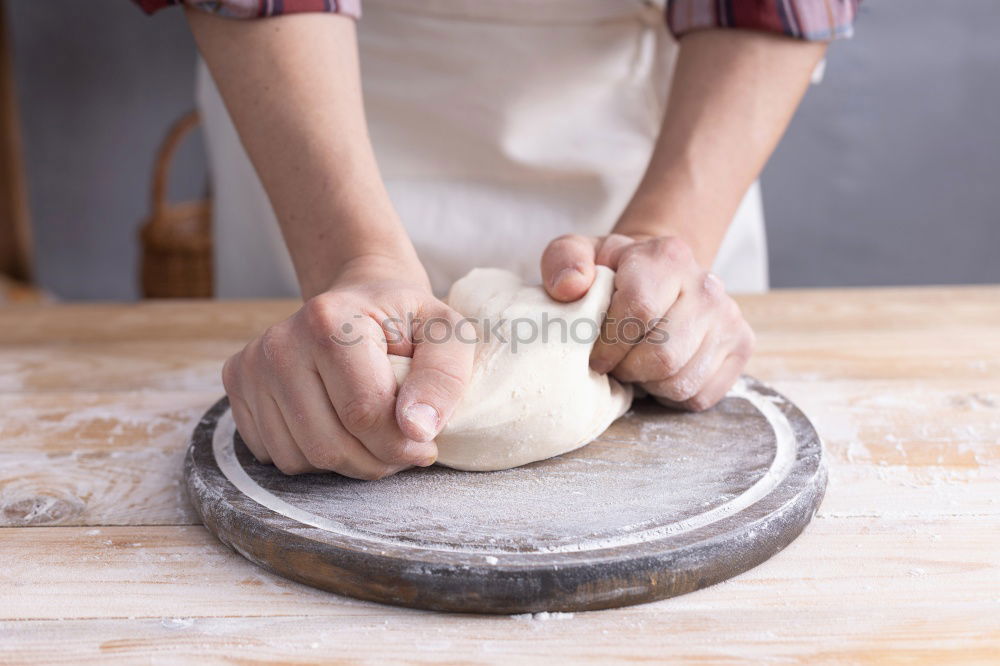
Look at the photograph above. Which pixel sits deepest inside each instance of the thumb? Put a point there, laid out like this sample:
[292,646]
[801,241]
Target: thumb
[444,347]
[568,267]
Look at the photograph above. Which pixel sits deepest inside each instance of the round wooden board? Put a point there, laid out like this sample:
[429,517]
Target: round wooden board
[663,503]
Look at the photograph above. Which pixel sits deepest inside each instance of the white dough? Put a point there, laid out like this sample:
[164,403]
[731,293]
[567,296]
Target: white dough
[528,399]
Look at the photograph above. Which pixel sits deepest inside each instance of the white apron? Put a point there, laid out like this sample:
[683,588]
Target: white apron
[497,126]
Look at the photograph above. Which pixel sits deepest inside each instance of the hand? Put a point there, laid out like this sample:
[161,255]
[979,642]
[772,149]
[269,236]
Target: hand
[316,391]
[671,328]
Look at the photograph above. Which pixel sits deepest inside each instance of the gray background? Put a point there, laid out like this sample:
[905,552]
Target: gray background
[888,174]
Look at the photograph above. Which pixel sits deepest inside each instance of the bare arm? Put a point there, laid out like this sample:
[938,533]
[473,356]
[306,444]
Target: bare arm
[733,95]
[292,86]
[316,391]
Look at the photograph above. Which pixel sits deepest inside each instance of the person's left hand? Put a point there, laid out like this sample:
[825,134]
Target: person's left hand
[671,327]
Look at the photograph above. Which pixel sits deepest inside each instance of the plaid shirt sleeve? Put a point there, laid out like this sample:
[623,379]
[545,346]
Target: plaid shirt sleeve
[258,8]
[803,19]
[813,20]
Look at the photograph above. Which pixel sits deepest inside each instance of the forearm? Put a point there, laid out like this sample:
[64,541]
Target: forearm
[292,87]
[732,97]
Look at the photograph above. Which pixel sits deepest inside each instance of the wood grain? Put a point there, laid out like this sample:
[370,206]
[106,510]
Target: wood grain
[900,565]
[96,458]
[851,590]
[931,446]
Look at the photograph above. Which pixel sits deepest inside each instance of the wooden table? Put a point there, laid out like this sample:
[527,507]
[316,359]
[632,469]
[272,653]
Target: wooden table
[101,556]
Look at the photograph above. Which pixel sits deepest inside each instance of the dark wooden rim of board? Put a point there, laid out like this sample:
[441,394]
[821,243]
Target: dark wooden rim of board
[505,582]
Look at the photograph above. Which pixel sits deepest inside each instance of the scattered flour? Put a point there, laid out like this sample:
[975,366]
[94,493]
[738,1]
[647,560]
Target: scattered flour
[542,616]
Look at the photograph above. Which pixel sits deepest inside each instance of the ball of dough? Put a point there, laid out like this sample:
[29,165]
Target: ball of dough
[532,394]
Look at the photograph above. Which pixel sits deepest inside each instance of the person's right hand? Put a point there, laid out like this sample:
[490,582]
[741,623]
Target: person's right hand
[316,392]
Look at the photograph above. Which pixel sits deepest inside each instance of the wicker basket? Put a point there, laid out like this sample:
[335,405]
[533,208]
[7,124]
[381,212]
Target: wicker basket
[176,237]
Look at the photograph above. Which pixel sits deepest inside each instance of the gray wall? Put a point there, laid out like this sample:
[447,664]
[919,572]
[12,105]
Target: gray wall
[888,175]
[99,82]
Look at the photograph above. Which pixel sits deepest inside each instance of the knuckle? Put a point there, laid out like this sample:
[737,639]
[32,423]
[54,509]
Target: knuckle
[631,250]
[230,375]
[360,415]
[252,357]
[437,326]
[678,389]
[699,403]
[324,456]
[620,239]
[747,342]
[639,305]
[319,314]
[733,310]
[671,249]
[244,430]
[273,347]
[727,319]
[665,362]
[290,467]
[567,239]
[713,291]
[442,379]
[714,283]
[634,257]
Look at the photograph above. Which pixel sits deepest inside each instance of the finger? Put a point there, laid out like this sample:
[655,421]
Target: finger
[690,380]
[277,439]
[444,347]
[247,429]
[669,345]
[610,249]
[360,384]
[646,287]
[726,375]
[319,434]
[568,267]
[716,388]
[242,416]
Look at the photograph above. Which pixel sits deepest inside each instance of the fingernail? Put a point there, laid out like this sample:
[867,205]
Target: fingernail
[418,453]
[427,462]
[423,418]
[600,366]
[564,275]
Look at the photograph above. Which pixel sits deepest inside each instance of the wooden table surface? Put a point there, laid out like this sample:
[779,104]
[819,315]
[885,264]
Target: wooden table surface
[101,556]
